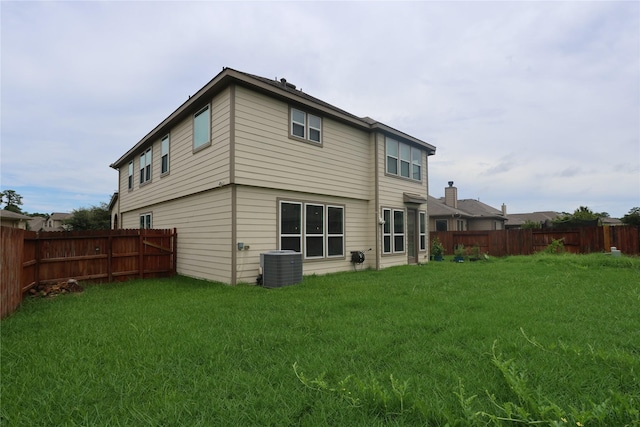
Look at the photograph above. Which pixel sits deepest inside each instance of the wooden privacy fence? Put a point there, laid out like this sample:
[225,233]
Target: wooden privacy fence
[528,241]
[31,258]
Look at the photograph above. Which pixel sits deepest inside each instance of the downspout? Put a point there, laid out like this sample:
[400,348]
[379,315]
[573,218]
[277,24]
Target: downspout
[377,199]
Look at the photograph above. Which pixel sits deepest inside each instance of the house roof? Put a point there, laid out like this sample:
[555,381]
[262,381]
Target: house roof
[60,216]
[277,88]
[467,208]
[537,217]
[13,216]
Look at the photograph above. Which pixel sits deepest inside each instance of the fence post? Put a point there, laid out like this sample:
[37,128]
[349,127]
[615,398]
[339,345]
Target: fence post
[141,253]
[109,257]
[174,256]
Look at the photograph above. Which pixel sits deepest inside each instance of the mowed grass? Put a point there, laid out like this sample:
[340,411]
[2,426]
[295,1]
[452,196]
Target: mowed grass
[548,339]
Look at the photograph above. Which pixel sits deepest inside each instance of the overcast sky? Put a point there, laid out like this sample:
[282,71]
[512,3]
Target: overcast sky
[531,104]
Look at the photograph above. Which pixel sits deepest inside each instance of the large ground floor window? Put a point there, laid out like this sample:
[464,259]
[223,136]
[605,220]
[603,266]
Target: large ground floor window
[315,229]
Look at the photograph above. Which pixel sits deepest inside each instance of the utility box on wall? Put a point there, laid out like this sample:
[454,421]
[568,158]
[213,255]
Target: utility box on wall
[281,268]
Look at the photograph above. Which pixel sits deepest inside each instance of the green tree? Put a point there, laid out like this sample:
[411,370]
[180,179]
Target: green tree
[528,224]
[633,217]
[93,218]
[580,217]
[12,201]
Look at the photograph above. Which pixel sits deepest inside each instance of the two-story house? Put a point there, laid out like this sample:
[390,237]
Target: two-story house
[249,165]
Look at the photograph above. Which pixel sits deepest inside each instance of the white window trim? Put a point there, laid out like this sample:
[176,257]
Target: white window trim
[306,126]
[308,233]
[163,154]
[303,229]
[397,234]
[204,110]
[145,166]
[386,213]
[329,234]
[399,160]
[422,230]
[392,234]
[130,177]
[146,219]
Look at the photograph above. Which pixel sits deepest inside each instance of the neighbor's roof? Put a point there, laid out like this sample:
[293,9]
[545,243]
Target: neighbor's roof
[60,216]
[13,216]
[537,217]
[279,89]
[467,208]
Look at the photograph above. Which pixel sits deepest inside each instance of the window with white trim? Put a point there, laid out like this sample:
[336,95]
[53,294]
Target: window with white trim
[386,231]
[335,231]
[130,180]
[201,128]
[164,160]
[145,166]
[398,230]
[146,221]
[306,126]
[393,231]
[403,160]
[423,231]
[315,229]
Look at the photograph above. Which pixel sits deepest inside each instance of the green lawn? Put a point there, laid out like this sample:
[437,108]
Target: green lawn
[554,339]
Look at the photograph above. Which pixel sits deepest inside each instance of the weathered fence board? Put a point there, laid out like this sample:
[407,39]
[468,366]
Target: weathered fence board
[528,241]
[12,243]
[30,258]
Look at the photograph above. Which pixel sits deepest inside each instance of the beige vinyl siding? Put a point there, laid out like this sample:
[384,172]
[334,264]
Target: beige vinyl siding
[391,195]
[203,223]
[265,155]
[189,172]
[257,227]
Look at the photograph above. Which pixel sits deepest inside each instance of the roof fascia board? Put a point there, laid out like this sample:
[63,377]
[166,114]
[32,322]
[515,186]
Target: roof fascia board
[431,150]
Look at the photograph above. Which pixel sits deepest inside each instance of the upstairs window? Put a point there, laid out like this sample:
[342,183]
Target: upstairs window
[145,166]
[130,180]
[164,160]
[201,128]
[403,160]
[306,126]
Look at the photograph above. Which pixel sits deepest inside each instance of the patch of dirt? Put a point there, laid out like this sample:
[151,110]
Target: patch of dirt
[55,289]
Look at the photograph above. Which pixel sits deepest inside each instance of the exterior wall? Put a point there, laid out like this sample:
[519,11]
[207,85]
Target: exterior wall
[257,227]
[485,224]
[13,223]
[228,192]
[203,223]
[189,172]
[266,156]
[391,191]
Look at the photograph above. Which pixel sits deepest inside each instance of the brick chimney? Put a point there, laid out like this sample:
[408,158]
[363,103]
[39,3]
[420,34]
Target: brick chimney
[504,209]
[451,196]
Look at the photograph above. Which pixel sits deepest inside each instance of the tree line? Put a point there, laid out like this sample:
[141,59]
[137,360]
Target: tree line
[85,218]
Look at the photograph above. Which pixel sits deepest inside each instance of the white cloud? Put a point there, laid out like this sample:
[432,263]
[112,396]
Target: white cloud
[534,104]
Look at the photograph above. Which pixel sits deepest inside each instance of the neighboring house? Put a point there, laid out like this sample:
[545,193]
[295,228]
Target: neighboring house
[54,222]
[450,214]
[544,219]
[249,165]
[13,219]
